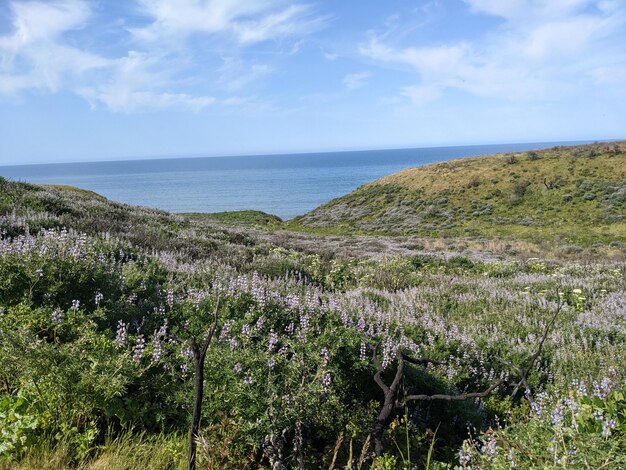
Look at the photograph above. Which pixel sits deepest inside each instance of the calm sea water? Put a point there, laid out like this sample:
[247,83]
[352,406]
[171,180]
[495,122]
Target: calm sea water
[285,185]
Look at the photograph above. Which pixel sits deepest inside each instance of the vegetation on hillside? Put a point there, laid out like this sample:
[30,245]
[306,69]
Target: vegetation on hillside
[568,195]
[326,353]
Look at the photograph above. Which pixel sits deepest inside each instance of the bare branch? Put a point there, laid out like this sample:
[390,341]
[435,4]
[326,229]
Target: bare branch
[459,397]
[379,370]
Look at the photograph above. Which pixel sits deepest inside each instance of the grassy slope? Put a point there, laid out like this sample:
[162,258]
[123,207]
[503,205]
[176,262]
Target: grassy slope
[571,194]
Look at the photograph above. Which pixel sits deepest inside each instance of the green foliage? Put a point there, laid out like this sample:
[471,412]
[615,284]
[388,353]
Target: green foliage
[508,195]
[580,431]
[95,330]
[17,425]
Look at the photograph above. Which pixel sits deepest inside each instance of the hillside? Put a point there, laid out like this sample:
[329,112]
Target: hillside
[320,349]
[569,194]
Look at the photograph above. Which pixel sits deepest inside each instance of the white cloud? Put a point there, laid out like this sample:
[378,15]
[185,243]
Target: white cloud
[43,51]
[542,50]
[34,55]
[235,74]
[248,21]
[123,99]
[421,95]
[138,83]
[356,80]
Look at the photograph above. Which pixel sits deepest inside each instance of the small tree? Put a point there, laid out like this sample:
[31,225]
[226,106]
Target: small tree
[199,350]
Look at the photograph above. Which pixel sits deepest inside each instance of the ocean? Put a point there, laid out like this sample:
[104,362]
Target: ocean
[284,185]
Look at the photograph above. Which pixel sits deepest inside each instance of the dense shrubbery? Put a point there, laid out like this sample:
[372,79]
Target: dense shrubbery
[96,331]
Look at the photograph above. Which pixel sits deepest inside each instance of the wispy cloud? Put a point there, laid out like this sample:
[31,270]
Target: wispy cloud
[356,80]
[138,83]
[542,50]
[162,69]
[247,21]
[235,74]
[35,56]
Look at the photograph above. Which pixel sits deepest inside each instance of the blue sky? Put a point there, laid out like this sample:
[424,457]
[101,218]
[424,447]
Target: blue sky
[96,80]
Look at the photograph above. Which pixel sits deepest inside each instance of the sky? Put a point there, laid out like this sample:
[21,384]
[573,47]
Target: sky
[93,80]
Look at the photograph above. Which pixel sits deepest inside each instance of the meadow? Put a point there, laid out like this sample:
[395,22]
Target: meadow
[130,335]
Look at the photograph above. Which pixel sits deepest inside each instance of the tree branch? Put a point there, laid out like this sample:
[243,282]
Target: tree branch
[459,397]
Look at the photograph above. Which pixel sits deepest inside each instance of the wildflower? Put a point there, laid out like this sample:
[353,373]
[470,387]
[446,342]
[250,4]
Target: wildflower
[326,380]
[237,369]
[75,305]
[558,415]
[362,352]
[271,344]
[121,333]
[490,447]
[157,350]
[98,298]
[247,380]
[140,346]
[325,355]
[607,426]
[464,456]
[57,316]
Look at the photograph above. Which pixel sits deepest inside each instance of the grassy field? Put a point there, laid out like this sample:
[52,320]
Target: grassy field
[563,195]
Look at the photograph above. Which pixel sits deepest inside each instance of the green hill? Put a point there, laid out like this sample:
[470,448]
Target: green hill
[568,194]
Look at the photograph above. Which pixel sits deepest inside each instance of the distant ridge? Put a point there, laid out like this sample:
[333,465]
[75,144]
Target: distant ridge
[575,194]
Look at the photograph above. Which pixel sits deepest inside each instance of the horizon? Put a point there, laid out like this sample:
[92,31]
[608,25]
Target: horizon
[82,80]
[149,158]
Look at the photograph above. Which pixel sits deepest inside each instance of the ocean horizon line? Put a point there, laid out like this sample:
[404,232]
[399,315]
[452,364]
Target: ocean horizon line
[195,156]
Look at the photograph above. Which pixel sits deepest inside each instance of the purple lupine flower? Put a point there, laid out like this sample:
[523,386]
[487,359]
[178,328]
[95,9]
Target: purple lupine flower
[557,415]
[98,298]
[362,351]
[325,355]
[159,335]
[75,305]
[247,380]
[607,426]
[464,456]
[225,333]
[140,346]
[237,369]
[170,298]
[490,447]
[157,349]
[326,380]
[271,344]
[57,316]
[121,333]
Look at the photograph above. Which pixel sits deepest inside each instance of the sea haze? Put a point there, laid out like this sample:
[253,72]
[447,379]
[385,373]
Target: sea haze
[285,185]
